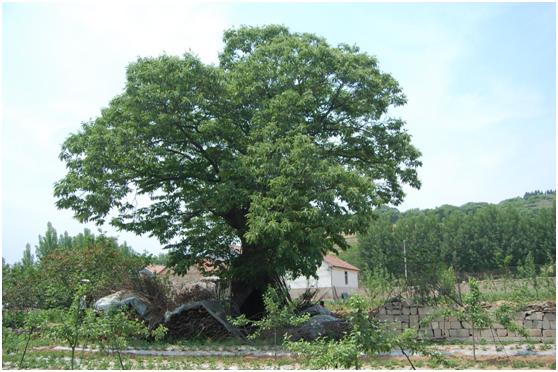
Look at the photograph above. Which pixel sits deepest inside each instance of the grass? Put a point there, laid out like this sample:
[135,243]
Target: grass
[520,291]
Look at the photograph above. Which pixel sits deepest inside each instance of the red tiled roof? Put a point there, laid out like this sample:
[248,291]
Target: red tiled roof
[156,269]
[161,269]
[337,262]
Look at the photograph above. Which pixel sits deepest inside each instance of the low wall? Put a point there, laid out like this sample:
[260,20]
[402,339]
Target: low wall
[539,320]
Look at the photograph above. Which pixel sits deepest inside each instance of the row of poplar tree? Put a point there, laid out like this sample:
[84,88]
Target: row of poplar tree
[475,238]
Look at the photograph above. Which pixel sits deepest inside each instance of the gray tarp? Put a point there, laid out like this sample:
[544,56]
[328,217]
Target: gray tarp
[145,309]
[140,304]
[123,298]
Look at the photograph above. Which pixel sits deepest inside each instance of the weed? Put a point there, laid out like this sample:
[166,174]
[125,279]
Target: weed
[103,364]
[516,364]
[432,364]
[533,365]
[211,363]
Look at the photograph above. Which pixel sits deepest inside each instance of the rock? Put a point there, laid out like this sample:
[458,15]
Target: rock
[543,306]
[316,310]
[318,326]
[319,319]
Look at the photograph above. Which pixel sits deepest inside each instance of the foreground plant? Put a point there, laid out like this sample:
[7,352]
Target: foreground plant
[472,311]
[70,330]
[34,320]
[325,354]
[114,329]
[278,315]
[367,337]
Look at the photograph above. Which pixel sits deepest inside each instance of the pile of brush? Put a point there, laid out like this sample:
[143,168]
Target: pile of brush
[195,323]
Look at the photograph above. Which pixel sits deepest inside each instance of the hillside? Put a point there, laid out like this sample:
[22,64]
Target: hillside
[534,200]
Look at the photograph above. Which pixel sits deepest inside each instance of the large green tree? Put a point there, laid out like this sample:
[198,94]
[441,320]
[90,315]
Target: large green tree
[283,146]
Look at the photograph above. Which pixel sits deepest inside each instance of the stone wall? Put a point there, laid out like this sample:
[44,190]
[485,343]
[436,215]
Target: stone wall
[539,320]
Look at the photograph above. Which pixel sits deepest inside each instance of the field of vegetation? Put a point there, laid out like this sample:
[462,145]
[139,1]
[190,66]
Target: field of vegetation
[76,337]
[48,322]
[481,240]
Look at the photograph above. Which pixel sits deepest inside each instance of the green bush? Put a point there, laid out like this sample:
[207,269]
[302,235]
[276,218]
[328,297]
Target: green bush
[113,330]
[63,262]
[13,318]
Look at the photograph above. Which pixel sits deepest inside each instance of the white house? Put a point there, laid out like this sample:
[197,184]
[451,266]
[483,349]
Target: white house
[335,278]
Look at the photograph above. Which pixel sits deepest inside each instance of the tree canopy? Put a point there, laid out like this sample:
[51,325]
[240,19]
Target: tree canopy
[284,146]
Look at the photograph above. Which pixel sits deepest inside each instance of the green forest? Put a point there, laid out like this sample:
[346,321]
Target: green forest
[476,238]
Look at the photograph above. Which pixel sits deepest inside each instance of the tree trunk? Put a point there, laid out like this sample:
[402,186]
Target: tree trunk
[120,359]
[252,273]
[474,346]
[247,296]
[26,346]
[72,358]
[408,359]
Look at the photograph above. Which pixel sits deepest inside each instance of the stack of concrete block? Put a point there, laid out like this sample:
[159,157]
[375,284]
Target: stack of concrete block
[538,320]
[539,323]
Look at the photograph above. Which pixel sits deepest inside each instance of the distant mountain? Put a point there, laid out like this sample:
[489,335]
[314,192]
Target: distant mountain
[533,200]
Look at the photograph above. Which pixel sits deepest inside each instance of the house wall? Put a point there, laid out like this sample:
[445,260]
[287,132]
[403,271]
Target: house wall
[338,278]
[323,281]
[331,282]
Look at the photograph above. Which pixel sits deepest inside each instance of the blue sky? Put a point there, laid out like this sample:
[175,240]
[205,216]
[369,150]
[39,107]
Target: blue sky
[479,78]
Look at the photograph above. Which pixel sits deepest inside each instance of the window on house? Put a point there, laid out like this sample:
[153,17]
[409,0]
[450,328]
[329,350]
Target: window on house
[346,278]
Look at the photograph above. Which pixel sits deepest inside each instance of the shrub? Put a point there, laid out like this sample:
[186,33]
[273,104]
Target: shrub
[367,336]
[113,329]
[13,318]
[70,330]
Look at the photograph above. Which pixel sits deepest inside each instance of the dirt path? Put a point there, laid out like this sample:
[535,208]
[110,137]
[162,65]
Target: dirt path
[450,350]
